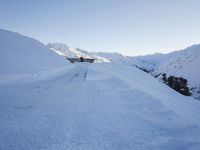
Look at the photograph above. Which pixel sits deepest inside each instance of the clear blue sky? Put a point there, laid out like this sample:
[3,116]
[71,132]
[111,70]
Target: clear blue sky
[131,27]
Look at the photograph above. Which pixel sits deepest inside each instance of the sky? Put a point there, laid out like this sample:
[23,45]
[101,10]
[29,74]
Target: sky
[131,27]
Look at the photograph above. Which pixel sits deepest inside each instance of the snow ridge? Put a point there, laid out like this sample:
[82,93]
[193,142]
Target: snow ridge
[182,63]
[21,54]
[64,50]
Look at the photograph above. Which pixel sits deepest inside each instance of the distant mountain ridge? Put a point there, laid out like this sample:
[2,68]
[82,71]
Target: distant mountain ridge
[112,56]
[64,50]
[183,63]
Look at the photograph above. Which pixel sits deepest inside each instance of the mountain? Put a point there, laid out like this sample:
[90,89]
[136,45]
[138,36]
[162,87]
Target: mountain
[66,51]
[113,57]
[21,54]
[96,106]
[178,64]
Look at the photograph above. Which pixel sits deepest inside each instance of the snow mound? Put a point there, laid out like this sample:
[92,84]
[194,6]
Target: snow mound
[96,106]
[21,54]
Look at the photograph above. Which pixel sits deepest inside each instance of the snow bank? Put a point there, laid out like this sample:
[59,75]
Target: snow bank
[97,106]
[21,54]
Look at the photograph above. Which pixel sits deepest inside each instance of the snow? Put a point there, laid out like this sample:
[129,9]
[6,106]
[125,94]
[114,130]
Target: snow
[113,57]
[95,106]
[64,50]
[182,63]
[46,103]
[21,54]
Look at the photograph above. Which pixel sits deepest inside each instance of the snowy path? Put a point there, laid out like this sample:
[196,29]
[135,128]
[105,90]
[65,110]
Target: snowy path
[96,107]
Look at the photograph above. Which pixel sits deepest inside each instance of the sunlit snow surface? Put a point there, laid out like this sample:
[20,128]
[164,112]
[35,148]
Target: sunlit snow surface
[21,54]
[64,50]
[95,106]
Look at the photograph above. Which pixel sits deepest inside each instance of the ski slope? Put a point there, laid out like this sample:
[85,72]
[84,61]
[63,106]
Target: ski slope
[95,107]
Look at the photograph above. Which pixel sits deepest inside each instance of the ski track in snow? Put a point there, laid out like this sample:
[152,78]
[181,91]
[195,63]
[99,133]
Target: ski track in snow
[97,107]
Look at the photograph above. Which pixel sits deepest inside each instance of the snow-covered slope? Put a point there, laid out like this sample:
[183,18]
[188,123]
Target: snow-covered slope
[148,62]
[21,54]
[86,106]
[96,106]
[66,51]
[184,63]
[113,57]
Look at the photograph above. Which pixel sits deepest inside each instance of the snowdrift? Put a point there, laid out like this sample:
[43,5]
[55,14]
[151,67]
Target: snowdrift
[21,54]
[97,106]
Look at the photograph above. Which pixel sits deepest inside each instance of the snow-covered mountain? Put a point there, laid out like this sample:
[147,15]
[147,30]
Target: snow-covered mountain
[112,56]
[180,64]
[21,54]
[66,51]
[183,63]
